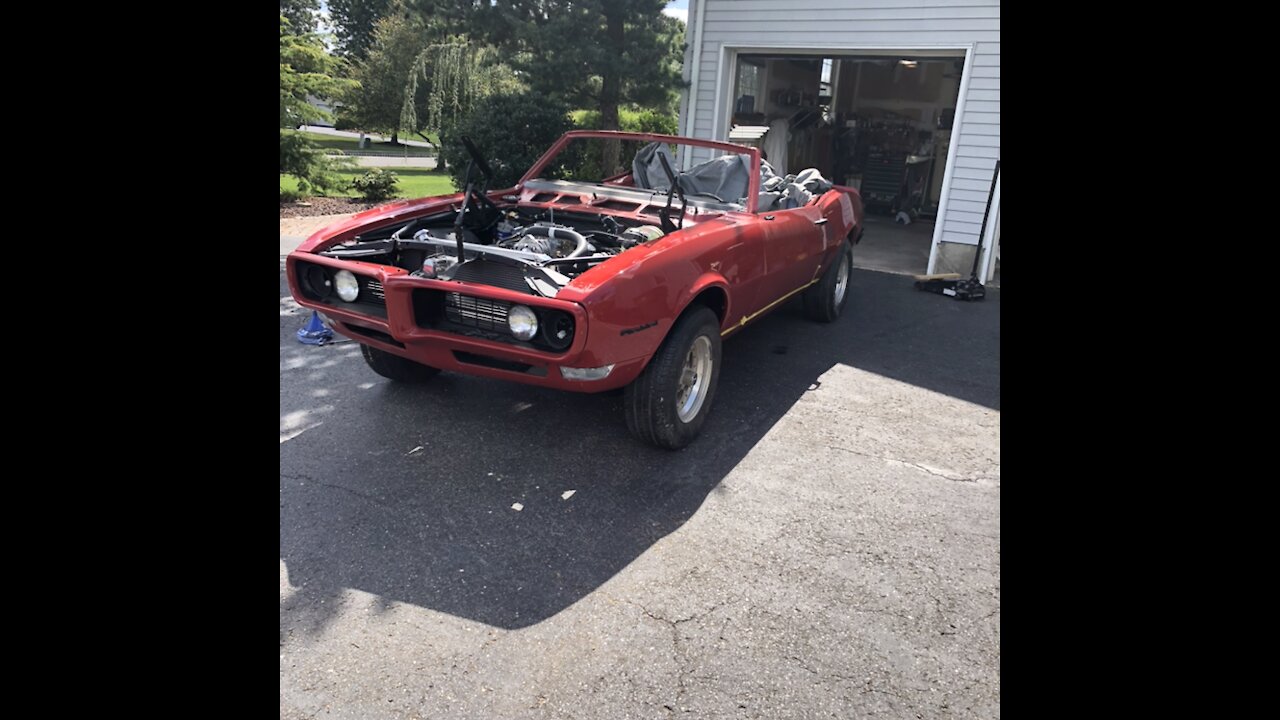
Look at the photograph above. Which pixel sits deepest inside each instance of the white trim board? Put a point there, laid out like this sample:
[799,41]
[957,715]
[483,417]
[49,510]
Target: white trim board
[698,6]
[991,238]
[948,173]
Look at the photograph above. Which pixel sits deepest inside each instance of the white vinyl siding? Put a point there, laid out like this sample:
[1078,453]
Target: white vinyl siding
[836,27]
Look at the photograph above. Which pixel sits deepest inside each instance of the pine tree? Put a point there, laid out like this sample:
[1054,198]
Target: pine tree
[597,54]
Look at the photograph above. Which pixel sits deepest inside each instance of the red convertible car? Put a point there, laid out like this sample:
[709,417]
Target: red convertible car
[587,283]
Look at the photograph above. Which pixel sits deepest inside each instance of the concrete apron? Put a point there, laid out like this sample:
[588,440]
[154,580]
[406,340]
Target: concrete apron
[294,230]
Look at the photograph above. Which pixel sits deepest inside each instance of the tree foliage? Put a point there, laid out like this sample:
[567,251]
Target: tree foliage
[458,74]
[587,165]
[301,14]
[512,130]
[354,23]
[383,75]
[598,54]
[415,78]
[630,120]
[303,160]
[305,70]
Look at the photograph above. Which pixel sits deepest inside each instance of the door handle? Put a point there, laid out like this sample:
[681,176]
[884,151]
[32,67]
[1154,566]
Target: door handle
[823,221]
[768,217]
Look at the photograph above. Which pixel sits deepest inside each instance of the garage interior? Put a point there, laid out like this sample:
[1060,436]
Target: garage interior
[881,124]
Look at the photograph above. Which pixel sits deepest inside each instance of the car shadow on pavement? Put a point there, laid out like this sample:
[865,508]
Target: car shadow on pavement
[505,504]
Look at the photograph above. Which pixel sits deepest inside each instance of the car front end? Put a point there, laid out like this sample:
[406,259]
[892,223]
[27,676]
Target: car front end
[482,329]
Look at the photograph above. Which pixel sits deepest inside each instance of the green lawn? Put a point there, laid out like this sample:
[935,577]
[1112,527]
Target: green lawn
[412,182]
[349,145]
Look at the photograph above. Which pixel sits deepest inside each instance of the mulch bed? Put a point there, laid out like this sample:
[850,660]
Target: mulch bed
[326,206]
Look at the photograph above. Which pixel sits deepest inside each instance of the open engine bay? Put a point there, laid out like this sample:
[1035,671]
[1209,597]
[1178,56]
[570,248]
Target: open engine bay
[539,241]
[520,246]
[532,250]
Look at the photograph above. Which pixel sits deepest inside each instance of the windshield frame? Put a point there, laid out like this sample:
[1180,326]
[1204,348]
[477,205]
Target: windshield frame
[753,181]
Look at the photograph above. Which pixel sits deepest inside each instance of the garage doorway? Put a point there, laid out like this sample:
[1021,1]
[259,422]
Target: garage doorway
[879,123]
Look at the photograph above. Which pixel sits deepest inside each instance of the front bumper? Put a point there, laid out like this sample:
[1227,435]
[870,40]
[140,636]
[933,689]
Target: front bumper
[395,330]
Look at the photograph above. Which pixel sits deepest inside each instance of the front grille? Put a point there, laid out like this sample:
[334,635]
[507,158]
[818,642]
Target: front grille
[486,318]
[477,312]
[375,290]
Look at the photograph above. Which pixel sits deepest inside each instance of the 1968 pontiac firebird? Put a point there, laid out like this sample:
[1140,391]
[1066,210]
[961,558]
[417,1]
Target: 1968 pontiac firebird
[588,285]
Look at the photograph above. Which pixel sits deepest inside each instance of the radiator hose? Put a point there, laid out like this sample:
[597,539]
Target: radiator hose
[553,232]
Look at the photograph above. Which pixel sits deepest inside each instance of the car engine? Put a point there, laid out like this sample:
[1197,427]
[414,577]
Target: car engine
[537,253]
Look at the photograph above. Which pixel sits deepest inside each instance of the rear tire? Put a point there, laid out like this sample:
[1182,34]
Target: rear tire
[395,367]
[826,300]
[667,405]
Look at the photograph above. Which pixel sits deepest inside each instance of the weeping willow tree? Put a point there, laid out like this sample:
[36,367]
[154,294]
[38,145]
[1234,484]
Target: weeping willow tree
[457,74]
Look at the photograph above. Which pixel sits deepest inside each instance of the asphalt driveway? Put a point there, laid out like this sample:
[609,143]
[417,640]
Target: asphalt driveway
[828,548]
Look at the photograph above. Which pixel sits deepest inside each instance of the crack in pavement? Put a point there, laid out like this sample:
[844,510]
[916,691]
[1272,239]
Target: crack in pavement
[865,682]
[677,651]
[802,664]
[953,477]
[363,496]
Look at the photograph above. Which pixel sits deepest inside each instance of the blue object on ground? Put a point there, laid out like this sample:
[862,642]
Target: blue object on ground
[315,333]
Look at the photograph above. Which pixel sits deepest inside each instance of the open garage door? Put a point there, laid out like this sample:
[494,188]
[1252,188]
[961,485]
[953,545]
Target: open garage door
[881,123]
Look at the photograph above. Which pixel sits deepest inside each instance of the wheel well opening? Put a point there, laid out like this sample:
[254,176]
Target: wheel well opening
[714,298]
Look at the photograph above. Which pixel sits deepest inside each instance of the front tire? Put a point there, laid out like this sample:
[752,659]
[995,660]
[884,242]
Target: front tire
[667,405]
[826,300]
[395,367]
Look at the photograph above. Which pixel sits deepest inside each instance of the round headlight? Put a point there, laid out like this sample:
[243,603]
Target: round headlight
[317,281]
[557,330]
[522,321]
[346,285]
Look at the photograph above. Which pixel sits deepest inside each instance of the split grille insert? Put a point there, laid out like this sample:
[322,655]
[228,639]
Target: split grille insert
[376,293]
[486,318]
[477,312]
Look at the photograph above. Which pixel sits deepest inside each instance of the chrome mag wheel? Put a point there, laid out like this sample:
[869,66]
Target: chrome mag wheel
[842,279]
[695,377]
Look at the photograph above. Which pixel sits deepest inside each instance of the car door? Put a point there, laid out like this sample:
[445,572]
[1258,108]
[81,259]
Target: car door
[737,254]
[794,242]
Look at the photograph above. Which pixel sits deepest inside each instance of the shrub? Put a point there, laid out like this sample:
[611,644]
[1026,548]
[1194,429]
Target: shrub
[643,121]
[344,121]
[646,121]
[289,196]
[511,130]
[650,121]
[302,159]
[376,184]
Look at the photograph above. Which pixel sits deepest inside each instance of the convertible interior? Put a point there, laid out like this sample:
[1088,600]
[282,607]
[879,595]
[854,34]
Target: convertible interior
[726,179]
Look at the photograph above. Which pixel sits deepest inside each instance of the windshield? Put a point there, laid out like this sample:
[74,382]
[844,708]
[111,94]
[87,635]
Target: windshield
[703,174]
